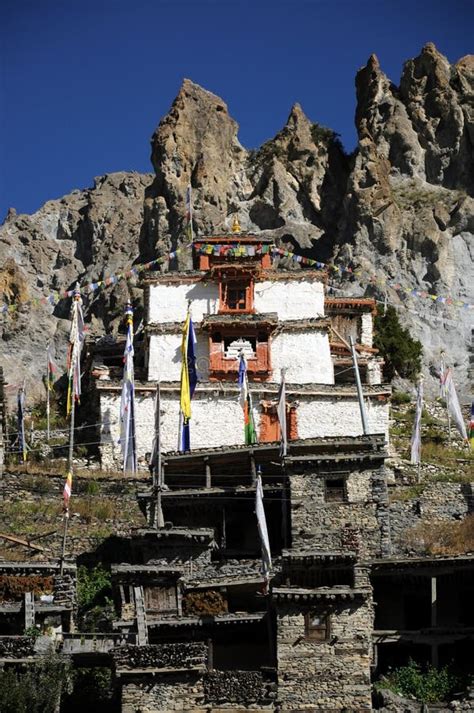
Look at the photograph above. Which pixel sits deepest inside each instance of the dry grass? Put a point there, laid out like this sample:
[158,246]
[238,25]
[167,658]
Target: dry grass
[443,538]
[96,509]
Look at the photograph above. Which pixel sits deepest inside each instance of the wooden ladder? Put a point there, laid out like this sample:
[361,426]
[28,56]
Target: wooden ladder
[141,616]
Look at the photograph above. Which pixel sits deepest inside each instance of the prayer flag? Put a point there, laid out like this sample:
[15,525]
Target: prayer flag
[452,401]
[281,411]
[188,381]
[246,403]
[416,437]
[52,370]
[189,214]
[262,529]
[21,424]
[76,341]
[67,489]
[127,401]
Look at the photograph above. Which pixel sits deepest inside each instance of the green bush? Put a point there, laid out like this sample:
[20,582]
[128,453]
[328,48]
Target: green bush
[92,687]
[426,684]
[401,397]
[96,611]
[38,689]
[92,585]
[402,353]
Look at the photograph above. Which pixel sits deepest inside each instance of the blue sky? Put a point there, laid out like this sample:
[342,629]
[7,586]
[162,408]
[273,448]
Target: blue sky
[84,84]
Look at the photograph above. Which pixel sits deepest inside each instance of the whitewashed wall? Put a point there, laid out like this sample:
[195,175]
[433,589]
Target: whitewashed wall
[164,357]
[169,303]
[305,356]
[291,299]
[217,420]
[367,329]
[340,417]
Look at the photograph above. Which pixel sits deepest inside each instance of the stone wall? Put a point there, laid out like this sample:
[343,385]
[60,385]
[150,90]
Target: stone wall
[16,647]
[449,502]
[245,688]
[325,676]
[360,523]
[203,692]
[186,655]
[163,693]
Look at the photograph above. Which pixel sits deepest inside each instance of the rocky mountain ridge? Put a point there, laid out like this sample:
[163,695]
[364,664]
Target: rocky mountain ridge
[401,206]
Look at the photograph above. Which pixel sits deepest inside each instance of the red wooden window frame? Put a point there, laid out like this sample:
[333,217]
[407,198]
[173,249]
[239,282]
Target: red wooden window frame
[229,286]
[270,425]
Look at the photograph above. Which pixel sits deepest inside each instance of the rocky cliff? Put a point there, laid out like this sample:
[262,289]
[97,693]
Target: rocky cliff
[401,206]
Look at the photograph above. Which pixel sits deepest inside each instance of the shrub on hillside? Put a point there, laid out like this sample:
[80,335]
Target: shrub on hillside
[401,352]
[426,684]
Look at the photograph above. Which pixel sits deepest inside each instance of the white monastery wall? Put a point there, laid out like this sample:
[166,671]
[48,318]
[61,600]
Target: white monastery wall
[340,417]
[217,420]
[367,329]
[305,356]
[164,357]
[291,299]
[169,303]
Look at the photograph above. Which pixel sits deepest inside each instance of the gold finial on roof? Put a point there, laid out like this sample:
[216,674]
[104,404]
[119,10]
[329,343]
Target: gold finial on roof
[236,225]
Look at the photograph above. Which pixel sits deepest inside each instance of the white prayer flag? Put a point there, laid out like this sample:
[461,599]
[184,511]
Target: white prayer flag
[416,437]
[262,529]
[127,401]
[453,403]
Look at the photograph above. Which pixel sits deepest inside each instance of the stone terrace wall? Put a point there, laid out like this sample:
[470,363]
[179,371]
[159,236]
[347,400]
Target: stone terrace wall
[360,524]
[170,656]
[163,693]
[245,688]
[437,502]
[329,676]
[16,647]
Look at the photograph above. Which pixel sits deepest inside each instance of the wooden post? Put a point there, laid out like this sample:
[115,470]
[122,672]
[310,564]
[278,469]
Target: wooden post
[69,470]
[360,394]
[208,472]
[253,468]
[76,300]
[434,602]
[47,395]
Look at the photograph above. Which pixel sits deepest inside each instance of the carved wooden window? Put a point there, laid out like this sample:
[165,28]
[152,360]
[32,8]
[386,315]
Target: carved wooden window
[317,626]
[236,295]
[335,490]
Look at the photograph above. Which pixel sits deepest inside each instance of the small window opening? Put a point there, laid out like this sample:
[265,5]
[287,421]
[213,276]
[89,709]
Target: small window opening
[317,626]
[335,490]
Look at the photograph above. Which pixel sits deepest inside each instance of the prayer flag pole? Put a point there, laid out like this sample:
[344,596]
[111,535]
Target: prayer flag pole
[74,390]
[360,394]
[281,411]
[127,400]
[47,394]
